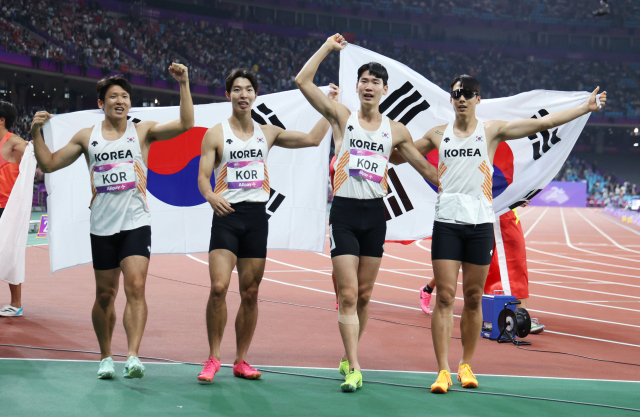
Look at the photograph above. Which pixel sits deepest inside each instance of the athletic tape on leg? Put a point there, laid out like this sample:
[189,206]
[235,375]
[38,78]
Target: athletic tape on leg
[348,319]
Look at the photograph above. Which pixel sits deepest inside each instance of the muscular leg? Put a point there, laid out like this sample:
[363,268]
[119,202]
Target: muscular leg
[346,270]
[103,314]
[221,264]
[16,295]
[134,269]
[473,279]
[445,272]
[250,271]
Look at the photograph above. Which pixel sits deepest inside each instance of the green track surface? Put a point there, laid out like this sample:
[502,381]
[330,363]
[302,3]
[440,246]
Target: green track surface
[62,388]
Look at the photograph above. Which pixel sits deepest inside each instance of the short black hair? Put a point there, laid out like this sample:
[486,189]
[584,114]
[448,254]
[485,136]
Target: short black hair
[468,82]
[375,69]
[103,85]
[241,73]
[9,112]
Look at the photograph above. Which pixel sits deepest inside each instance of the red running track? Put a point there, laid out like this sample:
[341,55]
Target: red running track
[584,283]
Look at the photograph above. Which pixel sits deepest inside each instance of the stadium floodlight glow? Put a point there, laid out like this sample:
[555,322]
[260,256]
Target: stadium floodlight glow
[635,144]
[635,130]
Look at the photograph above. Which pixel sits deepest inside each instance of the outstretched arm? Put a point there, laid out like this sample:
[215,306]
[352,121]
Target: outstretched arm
[171,129]
[325,106]
[13,149]
[410,154]
[294,140]
[522,128]
[50,162]
[207,163]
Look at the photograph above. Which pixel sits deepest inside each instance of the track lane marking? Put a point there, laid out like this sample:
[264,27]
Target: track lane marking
[606,217]
[536,222]
[604,234]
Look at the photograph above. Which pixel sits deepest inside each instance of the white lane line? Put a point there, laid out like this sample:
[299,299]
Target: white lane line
[566,234]
[407,260]
[524,213]
[606,217]
[577,268]
[591,303]
[590,281]
[585,290]
[592,338]
[536,222]
[604,234]
[420,246]
[584,260]
[415,308]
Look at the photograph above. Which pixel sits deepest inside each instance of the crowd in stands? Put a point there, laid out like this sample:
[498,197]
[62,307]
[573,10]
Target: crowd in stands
[624,12]
[84,35]
[602,189]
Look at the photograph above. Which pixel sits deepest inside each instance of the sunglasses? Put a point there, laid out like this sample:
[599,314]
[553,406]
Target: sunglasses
[468,94]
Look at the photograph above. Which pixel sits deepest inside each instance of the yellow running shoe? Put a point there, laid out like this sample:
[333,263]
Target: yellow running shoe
[442,384]
[344,367]
[352,381]
[467,377]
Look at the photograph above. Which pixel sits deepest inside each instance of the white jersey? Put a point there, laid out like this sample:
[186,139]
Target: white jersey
[118,182]
[242,173]
[465,177]
[362,164]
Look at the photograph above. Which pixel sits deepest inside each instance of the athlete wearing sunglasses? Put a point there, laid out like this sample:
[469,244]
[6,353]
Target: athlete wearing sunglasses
[463,226]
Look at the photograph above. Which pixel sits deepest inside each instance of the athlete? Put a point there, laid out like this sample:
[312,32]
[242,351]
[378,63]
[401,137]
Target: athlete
[237,149]
[116,151]
[463,226]
[12,148]
[357,223]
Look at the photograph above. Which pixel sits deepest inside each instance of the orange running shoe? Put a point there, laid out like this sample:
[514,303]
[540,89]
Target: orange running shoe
[442,384]
[467,377]
[244,370]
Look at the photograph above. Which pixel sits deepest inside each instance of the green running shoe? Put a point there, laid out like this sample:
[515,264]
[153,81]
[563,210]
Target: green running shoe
[133,368]
[344,367]
[106,370]
[352,382]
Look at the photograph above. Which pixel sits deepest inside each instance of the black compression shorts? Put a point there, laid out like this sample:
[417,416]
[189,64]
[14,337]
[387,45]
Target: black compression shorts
[462,242]
[109,251]
[243,232]
[357,227]
[1,211]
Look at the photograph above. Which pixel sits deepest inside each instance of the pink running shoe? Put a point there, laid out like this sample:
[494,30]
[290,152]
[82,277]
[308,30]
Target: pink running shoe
[244,370]
[425,299]
[336,305]
[209,372]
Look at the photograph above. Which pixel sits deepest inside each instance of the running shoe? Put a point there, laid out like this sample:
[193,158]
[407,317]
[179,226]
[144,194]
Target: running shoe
[442,384]
[243,370]
[425,300]
[10,311]
[211,366]
[536,328]
[133,368]
[336,305]
[344,367]
[106,370]
[352,381]
[467,377]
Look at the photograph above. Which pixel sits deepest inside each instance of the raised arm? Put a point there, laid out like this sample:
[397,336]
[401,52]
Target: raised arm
[501,130]
[294,140]
[410,154]
[13,149]
[50,162]
[171,129]
[210,145]
[325,106]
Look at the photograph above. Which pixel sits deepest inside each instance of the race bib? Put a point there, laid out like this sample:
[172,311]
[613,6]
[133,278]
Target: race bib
[367,164]
[114,177]
[245,174]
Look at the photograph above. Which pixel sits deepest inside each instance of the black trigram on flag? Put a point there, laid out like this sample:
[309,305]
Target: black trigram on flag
[135,120]
[411,101]
[397,199]
[526,198]
[275,199]
[540,147]
[269,114]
